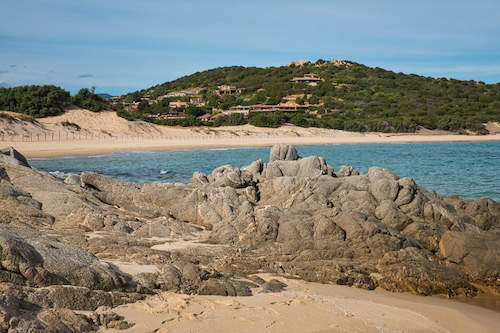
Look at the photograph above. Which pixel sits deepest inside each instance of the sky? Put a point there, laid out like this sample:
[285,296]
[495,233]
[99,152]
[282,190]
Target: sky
[122,46]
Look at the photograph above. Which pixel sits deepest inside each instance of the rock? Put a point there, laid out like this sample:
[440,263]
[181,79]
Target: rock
[255,168]
[72,180]
[4,175]
[223,287]
[312,166]
[17,315]
[70,297]
[477,254]
[282,152]
[42,261]
[165,227]
[17,207]
[111,191]
[226,175]
[198,178]
[170,278]
[410,270]
[273,286]
[106,318]
[407,191]
[383,184]
[289,216]
[13,157]
[62,320]
[346,171]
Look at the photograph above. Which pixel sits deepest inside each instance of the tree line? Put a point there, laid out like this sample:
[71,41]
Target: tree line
[47,100]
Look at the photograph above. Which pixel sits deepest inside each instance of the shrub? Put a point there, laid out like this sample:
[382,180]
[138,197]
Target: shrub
[86,99]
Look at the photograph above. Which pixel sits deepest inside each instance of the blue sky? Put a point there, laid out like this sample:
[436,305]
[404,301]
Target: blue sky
[121,46]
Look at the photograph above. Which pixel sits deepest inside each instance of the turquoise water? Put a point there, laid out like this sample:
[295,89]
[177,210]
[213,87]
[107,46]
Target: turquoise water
[471,170]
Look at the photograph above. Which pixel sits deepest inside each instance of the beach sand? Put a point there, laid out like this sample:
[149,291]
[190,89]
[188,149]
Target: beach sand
[88,147]
[105,132]
[306,307]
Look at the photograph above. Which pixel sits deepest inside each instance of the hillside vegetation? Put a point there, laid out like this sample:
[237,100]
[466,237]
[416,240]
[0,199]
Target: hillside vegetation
[47,100]
[351,97]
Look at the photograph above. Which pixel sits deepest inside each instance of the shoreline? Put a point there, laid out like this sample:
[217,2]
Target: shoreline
[53,149]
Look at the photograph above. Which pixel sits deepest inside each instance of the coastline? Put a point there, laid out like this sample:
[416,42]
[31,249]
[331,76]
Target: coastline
[51,149]
[104,133]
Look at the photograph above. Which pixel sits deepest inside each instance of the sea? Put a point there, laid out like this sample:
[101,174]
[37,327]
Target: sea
[469,169]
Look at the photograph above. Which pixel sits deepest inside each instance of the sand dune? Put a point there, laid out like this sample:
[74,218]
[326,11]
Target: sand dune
[79,131]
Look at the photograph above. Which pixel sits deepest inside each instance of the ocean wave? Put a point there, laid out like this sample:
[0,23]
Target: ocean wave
[97,156]
[59,174]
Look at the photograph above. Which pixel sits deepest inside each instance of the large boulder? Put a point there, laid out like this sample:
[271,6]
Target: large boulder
[19,207]
[311,166]
[11,156]
[109,190]
[477,253]
[383,184]
[282,152]
[227,175]
[26,255]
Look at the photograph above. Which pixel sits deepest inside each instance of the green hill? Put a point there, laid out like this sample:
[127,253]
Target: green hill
[350,96]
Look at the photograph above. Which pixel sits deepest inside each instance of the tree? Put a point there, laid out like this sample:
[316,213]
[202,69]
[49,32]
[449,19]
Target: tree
[36,101]
[88,100]
[195,111]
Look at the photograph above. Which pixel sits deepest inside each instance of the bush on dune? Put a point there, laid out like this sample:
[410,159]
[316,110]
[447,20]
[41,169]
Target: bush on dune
[35,101]
[87,99]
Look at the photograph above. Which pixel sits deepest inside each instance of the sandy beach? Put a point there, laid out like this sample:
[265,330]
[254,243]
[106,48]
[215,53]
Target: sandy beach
[88,147]
[306,307]
[81,132]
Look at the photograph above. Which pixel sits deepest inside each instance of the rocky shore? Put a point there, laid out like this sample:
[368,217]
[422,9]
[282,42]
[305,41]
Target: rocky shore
[72,250]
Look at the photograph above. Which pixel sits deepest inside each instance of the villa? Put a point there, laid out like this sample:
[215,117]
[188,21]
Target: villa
[228,90]
[282,107]
[190,92]
[310,79]
[209,118]
[197,101]
[176,105]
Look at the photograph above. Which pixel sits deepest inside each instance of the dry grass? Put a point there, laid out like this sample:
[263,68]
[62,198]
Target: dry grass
[6,116]
[11,116]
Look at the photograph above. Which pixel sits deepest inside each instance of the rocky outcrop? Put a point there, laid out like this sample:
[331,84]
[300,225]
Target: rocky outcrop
[13,157]
[292,216]
[38,260]
[366,230]
[283,152]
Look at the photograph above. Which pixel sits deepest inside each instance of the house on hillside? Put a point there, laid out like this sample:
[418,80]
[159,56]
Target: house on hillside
[134,106]
[190,92]
[172,115]
[282,107]
[175,105]
[210,118]
[197,101]
[310,78]
[243,109]
[217,116]
[228,90]
[205,118]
